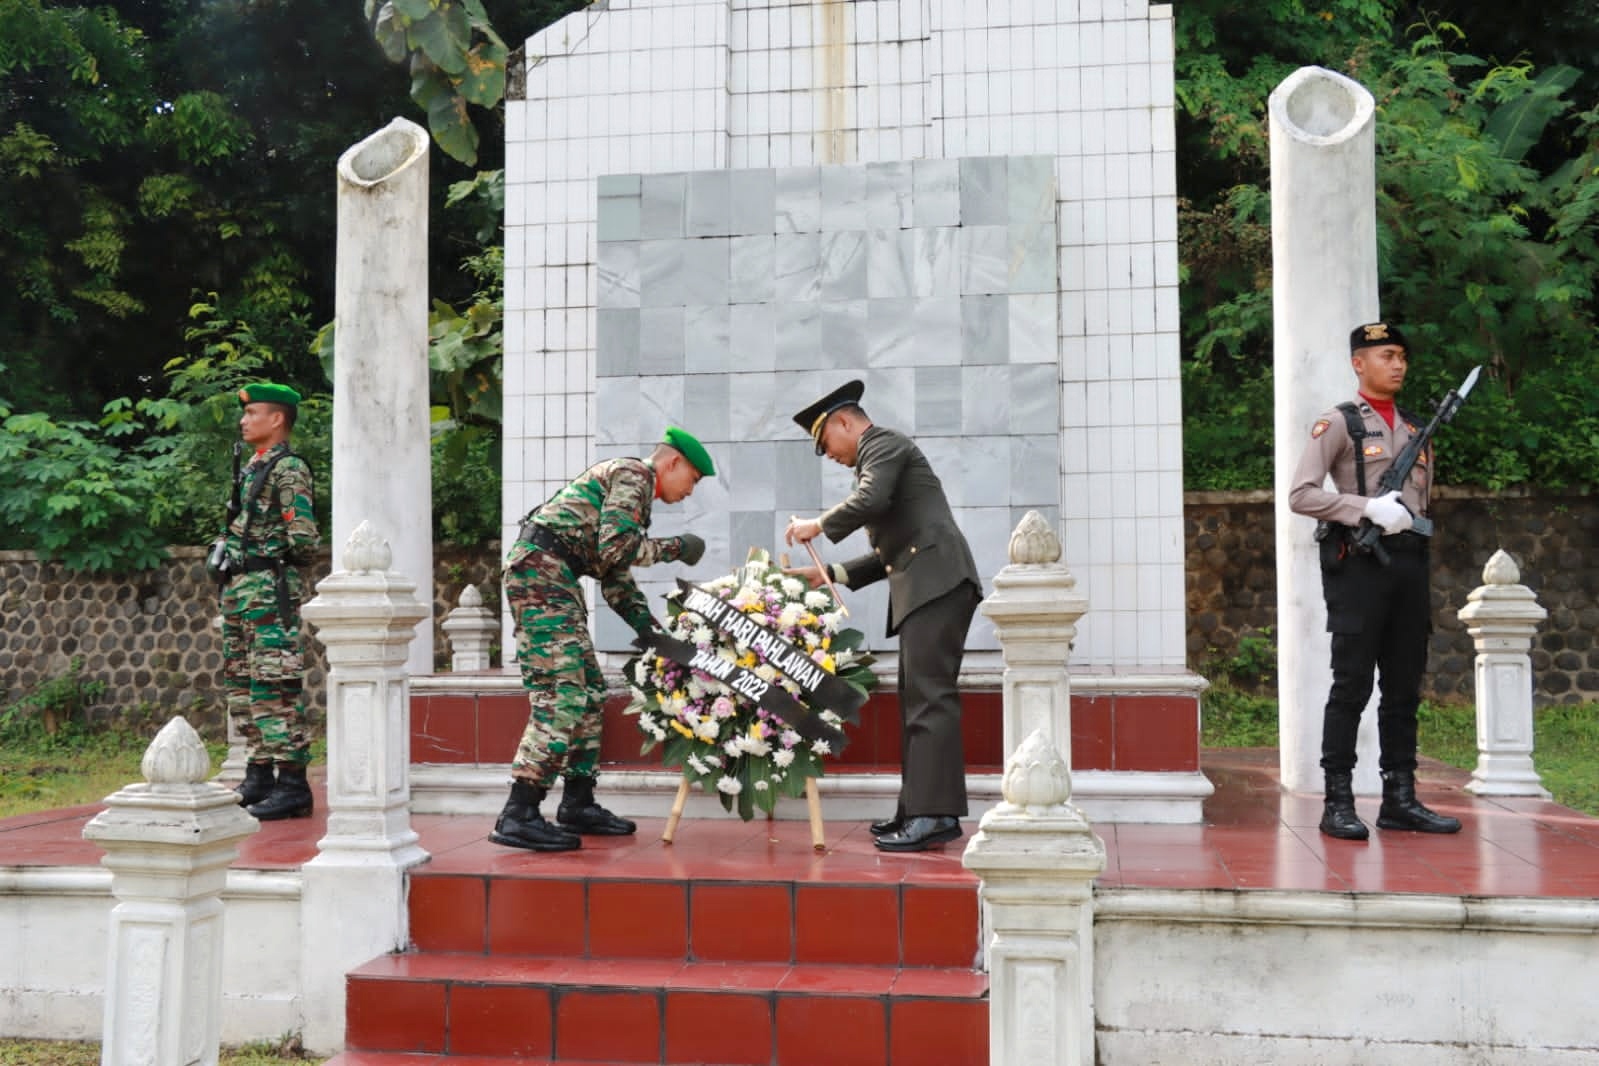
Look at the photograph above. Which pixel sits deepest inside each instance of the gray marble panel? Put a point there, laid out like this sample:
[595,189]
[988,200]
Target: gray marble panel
[618,218]
[754,201]
[1034,398]
[799,336]
[616,342]
[759,406]
[1030,195]
[1034,328]
[938,400]
[616,411]
[985,329]
[705,406]
[843,198]
[891,333]
[984,198]
[799,199]
[618,185]
[710,203]
[1032,258]
[706,262]
[662,273]
[890,195]
[938,332]
[1035,472]
[660,345]
[707,339]
[663,209]
[984,259]
[843,334]
[890,263]
[984,464]
[891,398]
[837,484]
[843,265]
[617,274]
[938,262]
[660,404]
[750,529]
[752,336]
[613,634]
[751,466]
[989,387]
[937,193]
[798,267]
[753,268]
[797,473]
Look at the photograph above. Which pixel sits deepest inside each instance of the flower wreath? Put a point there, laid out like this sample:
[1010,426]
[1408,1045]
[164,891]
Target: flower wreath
[707,717]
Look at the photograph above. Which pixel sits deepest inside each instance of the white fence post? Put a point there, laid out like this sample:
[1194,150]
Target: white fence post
[1502,617]
[168,843]
[471,629]
[352,902]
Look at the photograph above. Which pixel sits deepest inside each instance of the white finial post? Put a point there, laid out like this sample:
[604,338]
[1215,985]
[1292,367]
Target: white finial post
[1502,617]
[471,629]
[168,843]
[353,897]
[1038,858]
[1035,607]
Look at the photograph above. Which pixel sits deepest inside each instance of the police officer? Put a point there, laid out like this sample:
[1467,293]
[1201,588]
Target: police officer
[270,533]
[597,526]
[1379,614]
[933,590]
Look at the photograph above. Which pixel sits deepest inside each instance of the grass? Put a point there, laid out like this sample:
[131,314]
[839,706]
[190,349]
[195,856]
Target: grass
[76,1053]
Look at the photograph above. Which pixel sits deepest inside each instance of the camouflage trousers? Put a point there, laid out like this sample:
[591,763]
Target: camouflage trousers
[565,688]
[263,670]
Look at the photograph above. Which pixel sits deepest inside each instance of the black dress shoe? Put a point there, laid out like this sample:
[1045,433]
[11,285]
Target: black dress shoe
[888,825]
[921,833]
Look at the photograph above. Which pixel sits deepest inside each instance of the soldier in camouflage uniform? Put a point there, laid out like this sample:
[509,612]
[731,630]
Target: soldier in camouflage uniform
[271,532]
[597,526]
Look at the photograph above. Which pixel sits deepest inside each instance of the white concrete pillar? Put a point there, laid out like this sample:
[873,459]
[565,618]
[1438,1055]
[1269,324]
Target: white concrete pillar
[1035,606]
[1324,284]
[1038,858]
[168,843]
[1502,617]
[382,460]
[471,629]
[353,897]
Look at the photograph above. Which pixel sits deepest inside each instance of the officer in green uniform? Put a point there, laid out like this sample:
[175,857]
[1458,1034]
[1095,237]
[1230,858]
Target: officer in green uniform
[597,526]
[271,532]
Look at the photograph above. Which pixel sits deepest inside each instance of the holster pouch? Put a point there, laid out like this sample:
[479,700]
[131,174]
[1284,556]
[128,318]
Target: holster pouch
[217,566]
[1332,540]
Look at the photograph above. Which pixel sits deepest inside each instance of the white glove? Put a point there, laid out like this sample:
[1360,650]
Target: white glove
[1387,512]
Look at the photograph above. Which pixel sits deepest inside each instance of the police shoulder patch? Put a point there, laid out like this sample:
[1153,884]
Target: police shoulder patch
[1319,428]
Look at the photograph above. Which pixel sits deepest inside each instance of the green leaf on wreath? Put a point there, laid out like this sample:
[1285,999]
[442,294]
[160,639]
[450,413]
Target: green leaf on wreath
[847,640]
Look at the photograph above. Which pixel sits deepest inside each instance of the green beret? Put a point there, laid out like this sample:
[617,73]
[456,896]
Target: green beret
[266,392]
[692,450]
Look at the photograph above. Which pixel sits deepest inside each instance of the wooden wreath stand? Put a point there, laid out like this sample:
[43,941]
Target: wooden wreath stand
[813,801]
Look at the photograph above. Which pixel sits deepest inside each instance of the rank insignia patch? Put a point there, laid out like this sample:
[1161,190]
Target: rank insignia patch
[1319,428]
[1373,450]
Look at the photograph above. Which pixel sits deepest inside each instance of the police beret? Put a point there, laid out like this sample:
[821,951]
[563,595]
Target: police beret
[266,392]
[692,450]
[1374,333]
[814,417]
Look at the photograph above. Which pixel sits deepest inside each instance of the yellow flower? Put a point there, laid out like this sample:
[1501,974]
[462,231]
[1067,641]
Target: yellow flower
[681,728]
[747,660]
[828,664]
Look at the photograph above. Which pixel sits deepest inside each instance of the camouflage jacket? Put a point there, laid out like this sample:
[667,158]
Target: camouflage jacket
[603,517]
[281,523]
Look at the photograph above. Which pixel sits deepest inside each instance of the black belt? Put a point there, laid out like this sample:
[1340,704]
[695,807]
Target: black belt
[1407,541]
[543,538]
[253,566]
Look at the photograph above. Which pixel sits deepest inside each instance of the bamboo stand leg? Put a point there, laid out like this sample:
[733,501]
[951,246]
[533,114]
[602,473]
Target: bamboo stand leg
[677,811]
[813,800]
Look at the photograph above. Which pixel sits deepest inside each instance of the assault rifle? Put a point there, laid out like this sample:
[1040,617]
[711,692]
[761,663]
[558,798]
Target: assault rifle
[1368,536]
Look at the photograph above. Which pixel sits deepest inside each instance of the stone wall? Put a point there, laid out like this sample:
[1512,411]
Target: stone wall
[1232,581]
[155,638]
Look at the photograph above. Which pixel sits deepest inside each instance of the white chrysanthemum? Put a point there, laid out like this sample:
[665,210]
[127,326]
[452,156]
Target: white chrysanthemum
[790,615]
[793,587]
[766,672]
[723,582]
[821,747]
[782,757]
[641,673]
[816,599]
[831,718]
[842,659]
[713,760]
[696,689]
[761,786]
[729,785]
[789,738]
[707,729]
[829,621]
[701,635]
[698,765]
[732,748]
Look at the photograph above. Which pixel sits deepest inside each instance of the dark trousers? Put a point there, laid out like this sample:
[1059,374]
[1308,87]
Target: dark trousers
[1380,618]
[932,643]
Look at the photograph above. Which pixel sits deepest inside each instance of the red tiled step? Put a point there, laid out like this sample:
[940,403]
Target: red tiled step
[667,1011]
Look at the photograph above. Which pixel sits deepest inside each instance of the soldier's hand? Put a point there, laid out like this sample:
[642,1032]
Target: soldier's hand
[645,629]
[1387,512]
[693,548]
[811,575]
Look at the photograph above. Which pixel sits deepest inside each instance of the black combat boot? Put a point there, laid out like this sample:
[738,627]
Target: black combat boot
[579,813]
[257,783]
[522,826]
[289,798]
[1402,810]
[1338,817]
